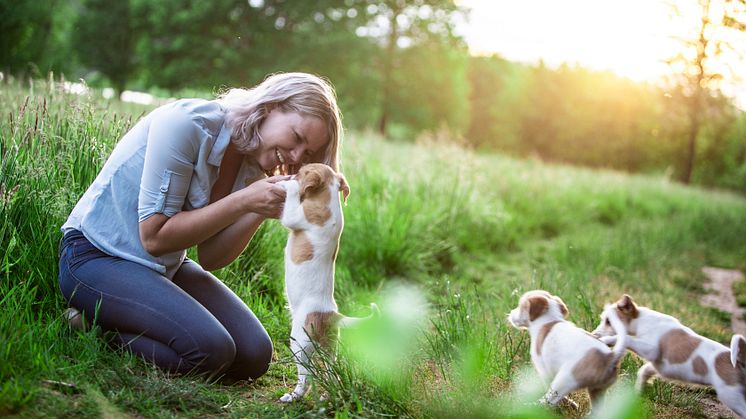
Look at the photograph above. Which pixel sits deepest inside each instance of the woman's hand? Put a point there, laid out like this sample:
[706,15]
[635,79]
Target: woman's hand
[265,197]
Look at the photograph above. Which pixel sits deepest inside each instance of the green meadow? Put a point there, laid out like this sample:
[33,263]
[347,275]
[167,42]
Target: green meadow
[444,239]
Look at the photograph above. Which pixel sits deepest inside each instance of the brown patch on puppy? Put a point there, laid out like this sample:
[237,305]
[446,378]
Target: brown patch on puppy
[536,307]
[593,368]
[543,335]
[725,369]
[315,195]
[699,366]
[343,186]
[627,309]
[677,346]
[302,250]
[320,326]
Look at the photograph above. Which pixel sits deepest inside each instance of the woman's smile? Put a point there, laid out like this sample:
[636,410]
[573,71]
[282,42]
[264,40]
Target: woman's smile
[289,138]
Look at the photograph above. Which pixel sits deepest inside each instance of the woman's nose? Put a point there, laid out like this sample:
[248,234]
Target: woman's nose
[296,154]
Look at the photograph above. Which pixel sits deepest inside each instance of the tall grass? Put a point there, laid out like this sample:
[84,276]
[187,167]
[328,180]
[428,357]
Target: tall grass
[469,232]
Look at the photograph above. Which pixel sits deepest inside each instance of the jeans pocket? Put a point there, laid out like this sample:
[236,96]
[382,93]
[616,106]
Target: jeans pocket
[80,251]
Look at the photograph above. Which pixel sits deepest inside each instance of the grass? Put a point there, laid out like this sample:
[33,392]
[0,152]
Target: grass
[436,234]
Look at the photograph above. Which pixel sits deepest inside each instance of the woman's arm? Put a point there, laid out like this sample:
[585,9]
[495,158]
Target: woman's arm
[225,246]
[161,234]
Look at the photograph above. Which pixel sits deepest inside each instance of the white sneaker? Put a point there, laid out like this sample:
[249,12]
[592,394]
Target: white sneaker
[75,319]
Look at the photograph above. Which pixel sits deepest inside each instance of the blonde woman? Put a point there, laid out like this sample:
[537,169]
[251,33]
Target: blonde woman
[192,173]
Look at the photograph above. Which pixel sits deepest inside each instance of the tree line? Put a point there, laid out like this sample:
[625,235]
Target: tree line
[399,68]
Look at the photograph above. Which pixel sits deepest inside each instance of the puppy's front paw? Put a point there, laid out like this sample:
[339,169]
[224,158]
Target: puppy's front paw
[288,397]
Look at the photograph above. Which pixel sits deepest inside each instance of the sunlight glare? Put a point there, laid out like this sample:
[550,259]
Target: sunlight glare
[632,39]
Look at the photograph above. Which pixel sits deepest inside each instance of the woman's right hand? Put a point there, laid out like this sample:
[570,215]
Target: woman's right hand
[265,197]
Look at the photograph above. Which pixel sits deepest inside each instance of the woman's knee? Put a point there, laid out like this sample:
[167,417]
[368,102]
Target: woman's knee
[252,361]
[215,351]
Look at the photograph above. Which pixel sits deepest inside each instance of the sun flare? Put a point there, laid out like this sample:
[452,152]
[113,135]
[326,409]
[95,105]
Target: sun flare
[632,38]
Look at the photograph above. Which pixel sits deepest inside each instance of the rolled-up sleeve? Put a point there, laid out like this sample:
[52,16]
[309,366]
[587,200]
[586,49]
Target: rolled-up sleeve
[172,146]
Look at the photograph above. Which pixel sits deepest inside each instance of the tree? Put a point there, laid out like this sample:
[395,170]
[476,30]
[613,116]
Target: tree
[401,24]
[25,27]
[700,68]
[104,39]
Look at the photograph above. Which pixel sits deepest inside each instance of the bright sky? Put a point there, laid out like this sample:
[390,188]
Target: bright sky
[630,37]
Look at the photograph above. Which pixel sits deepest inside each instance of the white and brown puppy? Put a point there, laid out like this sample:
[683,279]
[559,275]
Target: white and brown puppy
[675,351]
[566,357]
[313,214]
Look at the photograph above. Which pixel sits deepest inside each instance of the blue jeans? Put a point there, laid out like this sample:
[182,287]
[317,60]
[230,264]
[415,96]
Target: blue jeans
[191,323]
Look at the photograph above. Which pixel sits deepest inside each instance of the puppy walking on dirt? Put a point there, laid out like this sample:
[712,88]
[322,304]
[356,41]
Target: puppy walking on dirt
[566,357]
[313,214]
[676,352]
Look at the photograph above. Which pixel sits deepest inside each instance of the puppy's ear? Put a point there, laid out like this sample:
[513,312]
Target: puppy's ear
[536,307]
[310,182]
[343,186]
[738,351]
[563,308]
[627,306]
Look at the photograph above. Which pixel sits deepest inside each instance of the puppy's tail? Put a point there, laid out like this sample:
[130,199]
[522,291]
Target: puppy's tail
[738,351]
[620,347]
[345,321]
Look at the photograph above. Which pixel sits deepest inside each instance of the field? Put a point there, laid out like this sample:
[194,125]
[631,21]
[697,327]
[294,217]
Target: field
[443,238]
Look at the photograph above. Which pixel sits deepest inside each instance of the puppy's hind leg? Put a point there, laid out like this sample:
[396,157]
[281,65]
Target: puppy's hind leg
[643,375]
[562,385]
[302,348]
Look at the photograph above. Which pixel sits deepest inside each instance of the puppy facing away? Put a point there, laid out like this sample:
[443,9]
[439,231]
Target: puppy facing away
[676,352]
[313,214]
[566,357]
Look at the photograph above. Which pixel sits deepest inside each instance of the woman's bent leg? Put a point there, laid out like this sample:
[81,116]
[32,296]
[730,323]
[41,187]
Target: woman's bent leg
[253,344]
[150,315]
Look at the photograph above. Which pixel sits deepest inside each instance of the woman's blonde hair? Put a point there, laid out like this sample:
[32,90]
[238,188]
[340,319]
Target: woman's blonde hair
[303,93]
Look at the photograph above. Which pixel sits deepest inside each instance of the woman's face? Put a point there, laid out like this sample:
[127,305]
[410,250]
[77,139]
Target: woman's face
[289,138]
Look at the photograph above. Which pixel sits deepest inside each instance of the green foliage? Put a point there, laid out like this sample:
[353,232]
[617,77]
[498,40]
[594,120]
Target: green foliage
[104,39]
[399,67]
[25,26]
[468,231]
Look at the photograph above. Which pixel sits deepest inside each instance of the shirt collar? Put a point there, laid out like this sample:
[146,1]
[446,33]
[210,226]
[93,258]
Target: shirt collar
[221,144]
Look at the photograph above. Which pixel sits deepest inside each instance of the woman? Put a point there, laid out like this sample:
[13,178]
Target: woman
[192,172]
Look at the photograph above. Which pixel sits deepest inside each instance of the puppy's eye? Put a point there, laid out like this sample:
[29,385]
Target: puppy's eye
[607,322]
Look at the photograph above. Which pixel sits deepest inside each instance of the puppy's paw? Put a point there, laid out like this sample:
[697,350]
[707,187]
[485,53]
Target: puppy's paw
[288,397]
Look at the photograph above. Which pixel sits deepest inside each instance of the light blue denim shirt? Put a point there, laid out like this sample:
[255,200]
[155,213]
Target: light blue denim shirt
[167,163]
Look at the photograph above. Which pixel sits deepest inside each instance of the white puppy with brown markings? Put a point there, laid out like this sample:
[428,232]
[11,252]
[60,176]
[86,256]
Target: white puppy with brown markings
[675,351]
[313,214]
[566,357]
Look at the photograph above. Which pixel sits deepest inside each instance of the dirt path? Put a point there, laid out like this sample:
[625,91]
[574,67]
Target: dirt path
[720,287]
[722,297]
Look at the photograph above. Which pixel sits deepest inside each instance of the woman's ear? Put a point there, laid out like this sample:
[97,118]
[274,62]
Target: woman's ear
[343,186]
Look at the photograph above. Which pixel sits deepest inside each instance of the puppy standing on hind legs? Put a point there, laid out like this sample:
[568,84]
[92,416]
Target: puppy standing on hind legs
[313,214]
[676,352]
[566,357]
